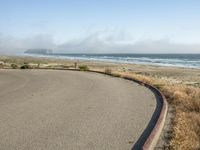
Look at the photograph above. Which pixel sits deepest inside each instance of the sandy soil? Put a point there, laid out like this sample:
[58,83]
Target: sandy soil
[46,109]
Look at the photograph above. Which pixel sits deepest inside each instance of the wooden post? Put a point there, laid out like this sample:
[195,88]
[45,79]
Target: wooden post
[75,65]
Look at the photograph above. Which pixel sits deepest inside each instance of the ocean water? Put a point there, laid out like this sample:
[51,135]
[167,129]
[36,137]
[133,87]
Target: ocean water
[177,60]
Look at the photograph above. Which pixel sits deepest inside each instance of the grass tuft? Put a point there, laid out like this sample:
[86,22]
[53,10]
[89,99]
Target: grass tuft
[84,68]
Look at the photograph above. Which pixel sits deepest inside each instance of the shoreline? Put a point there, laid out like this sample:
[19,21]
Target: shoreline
[187,76]
[80,58]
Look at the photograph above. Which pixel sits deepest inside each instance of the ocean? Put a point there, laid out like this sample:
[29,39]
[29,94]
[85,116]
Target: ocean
[176,60]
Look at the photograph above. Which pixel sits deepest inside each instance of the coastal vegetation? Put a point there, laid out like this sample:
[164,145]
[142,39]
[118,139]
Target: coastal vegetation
[83,68]
[25,66]
[14,66]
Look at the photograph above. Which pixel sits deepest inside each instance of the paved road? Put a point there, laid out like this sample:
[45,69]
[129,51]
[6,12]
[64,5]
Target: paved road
[66,110]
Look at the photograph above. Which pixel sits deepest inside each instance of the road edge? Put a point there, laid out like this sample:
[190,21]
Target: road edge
[152,140]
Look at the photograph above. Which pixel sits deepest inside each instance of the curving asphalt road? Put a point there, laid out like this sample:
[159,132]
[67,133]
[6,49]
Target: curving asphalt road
[67,110]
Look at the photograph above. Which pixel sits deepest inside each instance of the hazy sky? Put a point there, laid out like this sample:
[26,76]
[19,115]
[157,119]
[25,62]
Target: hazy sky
[100,26]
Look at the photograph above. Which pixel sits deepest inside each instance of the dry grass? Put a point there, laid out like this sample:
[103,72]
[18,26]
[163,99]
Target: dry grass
[186,130]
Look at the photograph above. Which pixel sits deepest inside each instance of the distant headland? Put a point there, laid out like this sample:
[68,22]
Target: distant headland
[39,51]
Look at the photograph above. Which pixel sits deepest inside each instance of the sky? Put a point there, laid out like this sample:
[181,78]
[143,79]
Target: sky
[100,26]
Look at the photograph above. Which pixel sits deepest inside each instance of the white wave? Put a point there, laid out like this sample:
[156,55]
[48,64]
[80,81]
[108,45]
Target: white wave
[175,62]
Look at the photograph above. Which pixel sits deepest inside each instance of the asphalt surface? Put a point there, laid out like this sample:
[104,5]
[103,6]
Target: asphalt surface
[68,110]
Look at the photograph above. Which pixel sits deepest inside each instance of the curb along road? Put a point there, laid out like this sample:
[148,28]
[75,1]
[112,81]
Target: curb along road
[150,141]
[150,136]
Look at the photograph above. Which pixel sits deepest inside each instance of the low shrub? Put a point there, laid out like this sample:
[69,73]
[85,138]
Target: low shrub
[14,66]
[1,64]
[25,66]
[83,68]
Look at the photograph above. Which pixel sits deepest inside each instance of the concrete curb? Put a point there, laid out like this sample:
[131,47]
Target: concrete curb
[151,141]
[156,132]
